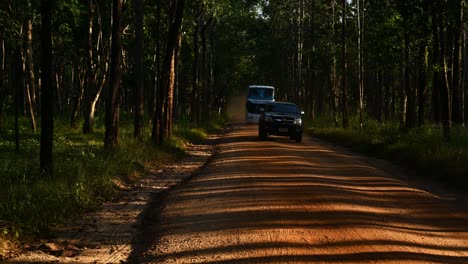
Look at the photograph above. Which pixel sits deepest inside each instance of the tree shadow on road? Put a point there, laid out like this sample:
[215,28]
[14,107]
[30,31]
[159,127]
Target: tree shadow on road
[348,210]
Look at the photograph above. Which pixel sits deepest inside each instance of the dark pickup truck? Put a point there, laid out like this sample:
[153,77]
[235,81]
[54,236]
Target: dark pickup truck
[280,119]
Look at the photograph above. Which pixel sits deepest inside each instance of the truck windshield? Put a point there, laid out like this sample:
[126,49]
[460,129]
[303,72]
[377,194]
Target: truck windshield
[282,108]
[261,93]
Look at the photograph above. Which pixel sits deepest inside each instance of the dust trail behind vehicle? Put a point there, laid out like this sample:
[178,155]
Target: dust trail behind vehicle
[236,108]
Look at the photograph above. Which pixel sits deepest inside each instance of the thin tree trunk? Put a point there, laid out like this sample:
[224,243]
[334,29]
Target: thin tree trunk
[167,87]
[344,81]
[422,83]
[58,90]
[2,80]
[30,63]
[360,64]
[436,76]
[410,92]
[464,68]
[204,71]
[423,68]
[88,124]
[26,73]
[47,90]
[17,84]
[195,70]
[112,102]
[139,77]
[157,63]
[78,97]
[442,85]
[379,101]
[457,84]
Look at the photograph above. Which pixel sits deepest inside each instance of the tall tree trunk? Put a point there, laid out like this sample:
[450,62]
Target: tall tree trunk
[30,63]
[410,91]
[380,96]
[464,85]
[88,123]
[59,88]
[344,81]
[2,80]
[457,67]
[139,77]
[93,86]
[195,70]
[78,96]
[442,84]
[167,75]
[204,71]
[26,58]
[156,63]
[47,90]
[112,102]
[18,86]
[360,23]
[423,65]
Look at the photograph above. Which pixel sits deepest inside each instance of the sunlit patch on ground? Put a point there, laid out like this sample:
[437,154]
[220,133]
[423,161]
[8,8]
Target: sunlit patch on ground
[280,202]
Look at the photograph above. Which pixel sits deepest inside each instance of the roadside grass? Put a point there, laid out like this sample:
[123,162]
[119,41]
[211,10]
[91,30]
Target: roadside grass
[84,174]
[423,150]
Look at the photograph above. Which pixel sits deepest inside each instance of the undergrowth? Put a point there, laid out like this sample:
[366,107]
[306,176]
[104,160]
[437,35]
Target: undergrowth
[84,174]
[424,149]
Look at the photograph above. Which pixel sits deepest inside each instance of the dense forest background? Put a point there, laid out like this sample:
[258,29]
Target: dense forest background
[164,62]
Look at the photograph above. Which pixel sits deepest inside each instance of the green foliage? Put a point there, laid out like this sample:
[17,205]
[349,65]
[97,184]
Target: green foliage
[422,149]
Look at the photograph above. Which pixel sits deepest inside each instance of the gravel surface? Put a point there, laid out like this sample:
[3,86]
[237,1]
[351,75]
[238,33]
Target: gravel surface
[274,201]
[279,201]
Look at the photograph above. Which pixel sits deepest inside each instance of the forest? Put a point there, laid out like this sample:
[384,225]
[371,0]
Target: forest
[85,82]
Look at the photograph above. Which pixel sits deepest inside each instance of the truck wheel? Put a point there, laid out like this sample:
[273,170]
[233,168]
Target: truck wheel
[299,137]
[262,133]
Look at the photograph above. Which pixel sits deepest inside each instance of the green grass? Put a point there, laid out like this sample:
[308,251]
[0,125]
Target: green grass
[424,150]
[84,174]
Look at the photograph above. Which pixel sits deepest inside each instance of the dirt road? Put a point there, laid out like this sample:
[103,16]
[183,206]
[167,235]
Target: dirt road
[275,201]
[283,202]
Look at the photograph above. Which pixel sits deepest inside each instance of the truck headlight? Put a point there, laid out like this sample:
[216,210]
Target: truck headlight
[298,121]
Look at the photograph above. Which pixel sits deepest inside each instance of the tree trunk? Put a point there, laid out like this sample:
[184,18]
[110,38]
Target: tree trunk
[464,85]
[17,83]
[195,70]
[58,89]
[410,92]
[442,84]
[360,63]
[457,68]
[167,88]
[204,72]
[423,65]
[344,81]
[78,97]
[88,124]
[27,82]
[30,63]
[157,63]
[47,90]
[112,102]
[2,79]
[380,96]
[139,77]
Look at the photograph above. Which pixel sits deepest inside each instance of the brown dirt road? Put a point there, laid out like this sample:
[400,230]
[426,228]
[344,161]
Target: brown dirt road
[283,202]
[276,201]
